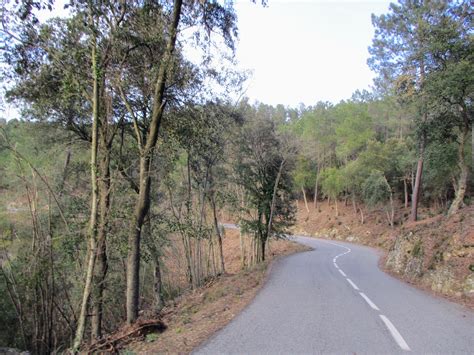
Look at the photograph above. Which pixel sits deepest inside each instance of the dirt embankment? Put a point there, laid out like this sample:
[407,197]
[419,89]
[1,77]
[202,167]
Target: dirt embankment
[435,253]
[196,315]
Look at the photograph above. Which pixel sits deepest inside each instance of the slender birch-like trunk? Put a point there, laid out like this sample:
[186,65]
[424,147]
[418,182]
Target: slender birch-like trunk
[92,231]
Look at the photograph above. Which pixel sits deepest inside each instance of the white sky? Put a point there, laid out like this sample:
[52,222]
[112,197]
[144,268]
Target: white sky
[306,51]
[300,51]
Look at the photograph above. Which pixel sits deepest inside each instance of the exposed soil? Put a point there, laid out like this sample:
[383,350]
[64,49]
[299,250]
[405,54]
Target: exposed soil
[435,253]
[196,315]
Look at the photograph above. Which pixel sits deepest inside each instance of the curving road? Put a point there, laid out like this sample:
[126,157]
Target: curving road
[335,299]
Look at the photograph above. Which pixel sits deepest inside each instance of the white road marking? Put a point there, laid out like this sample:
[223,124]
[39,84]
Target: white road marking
[338,245]
[395,334]
[352,284]
[368,300]
[393,331]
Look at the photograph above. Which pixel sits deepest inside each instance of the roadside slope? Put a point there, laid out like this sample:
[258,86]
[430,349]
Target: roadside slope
[196,315]
[435,253]
[309,306]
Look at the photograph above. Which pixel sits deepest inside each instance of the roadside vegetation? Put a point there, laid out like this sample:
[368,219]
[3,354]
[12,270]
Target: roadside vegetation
[128,156]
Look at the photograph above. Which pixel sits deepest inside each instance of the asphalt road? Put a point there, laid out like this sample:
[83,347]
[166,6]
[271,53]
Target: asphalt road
[335,299]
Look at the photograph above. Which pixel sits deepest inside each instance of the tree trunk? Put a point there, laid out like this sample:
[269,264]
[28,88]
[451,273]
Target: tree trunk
[92,232]
[158,286]
[405,189]
[102,266]
[143,201]
[315,201]
[242,250]
[251,251]
[392,211]
[186,240]
[304,198]
[133,260]
[65,171]
[218,233]
[417,188]
[188,256]
[243,254]
[391,215]
[354,204]
[98,295]
[256,246]
[462,182]
[419,167]
[272,205]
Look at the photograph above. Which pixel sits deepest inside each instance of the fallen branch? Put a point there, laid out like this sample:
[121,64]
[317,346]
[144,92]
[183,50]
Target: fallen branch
[114,342]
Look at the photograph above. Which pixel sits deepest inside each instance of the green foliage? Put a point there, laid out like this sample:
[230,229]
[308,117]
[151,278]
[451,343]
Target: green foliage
[354,174]
[354,129]
[248,159]
[332,182]
[264,162]
[440,169]
[304,174]
[376,189]
[422,52]
[9,335]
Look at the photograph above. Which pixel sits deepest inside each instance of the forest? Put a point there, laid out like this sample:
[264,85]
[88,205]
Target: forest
[128,154]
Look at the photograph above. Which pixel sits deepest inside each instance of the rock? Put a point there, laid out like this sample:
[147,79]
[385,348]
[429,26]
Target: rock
[414,267]
[405,248]
[461,253]
[468,286]
[442,280]
[353,238]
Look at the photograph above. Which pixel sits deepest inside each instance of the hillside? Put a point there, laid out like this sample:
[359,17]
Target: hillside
[435,253]
[197,314]
[127,133]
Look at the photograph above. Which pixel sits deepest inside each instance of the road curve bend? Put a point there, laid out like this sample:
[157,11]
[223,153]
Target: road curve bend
[335,299]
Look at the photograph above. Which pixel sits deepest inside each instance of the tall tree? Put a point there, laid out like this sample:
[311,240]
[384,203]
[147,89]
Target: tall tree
[263,167]
[61,75]
[399,50]
[450,86]
[146,32]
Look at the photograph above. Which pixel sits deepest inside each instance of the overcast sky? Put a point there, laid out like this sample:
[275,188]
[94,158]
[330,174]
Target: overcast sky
[300,51]
[306,51]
